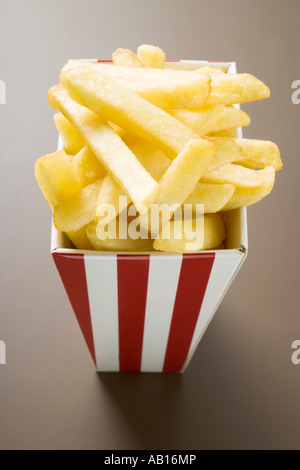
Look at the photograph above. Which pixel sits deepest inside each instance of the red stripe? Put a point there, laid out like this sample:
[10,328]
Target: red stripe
[132,294]
[194,275]
[104,60]
[72,272]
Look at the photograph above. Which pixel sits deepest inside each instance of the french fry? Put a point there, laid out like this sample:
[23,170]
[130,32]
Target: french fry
[151,56]
[259,154]
[87,167]
[227,151]
[200,120]
[78,210]
[126,109]
[72,140]
[178,182]
[108,147]
[211,226]
[236,88]
[243,197]
[126,58]
[235,174]
[186,92]
[79,239]
[210,70]
[224,133]
[56,177]
[231,117]
[213,196]
[152,159]
[116,244]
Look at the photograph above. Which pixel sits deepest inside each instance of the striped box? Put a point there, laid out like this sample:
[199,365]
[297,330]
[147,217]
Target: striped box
[148,312]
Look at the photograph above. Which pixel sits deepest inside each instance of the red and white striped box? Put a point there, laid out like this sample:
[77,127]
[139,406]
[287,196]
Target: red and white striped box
[147,312]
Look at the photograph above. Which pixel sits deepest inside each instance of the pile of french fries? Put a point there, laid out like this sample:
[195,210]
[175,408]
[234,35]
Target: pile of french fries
[138,135]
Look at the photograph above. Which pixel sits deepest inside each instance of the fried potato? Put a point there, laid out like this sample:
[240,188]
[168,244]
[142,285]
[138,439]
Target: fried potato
[212,196]
[200,120]
[243,197]
[211,70]
[78,210]
[152,159]
[227,151]
[56,177]
[126,109]
[236,88]
[224,133]
[72,140]
[87,167]
[186,92]
[116,244]
[231,118]
[259,154]
[235,174]
[203,233]
[178,181]
[126,58]
[108,147]
[79,239]
[151,56]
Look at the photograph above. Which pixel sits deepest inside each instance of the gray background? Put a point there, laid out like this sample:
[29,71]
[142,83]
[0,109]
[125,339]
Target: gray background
[241,389]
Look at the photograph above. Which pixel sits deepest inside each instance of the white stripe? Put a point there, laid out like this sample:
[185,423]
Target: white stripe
[224,268]
[164,274]
[102,282]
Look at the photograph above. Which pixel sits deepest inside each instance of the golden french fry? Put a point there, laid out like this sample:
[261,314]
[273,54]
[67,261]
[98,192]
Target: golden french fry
[79,239]
[151,56]
[72,140]
[78,210]
[231,117]
[259,154]
[152,159]
[211,70]
[200,120]
[87,166]
[213,196]
[125,108]
[186,92]
[202,233]
[236,88]
[108,147]
[235,174]
[243,197]
[116,243]
[126,58]
[56,177]
[227,150]
[224,133]
[177,183]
